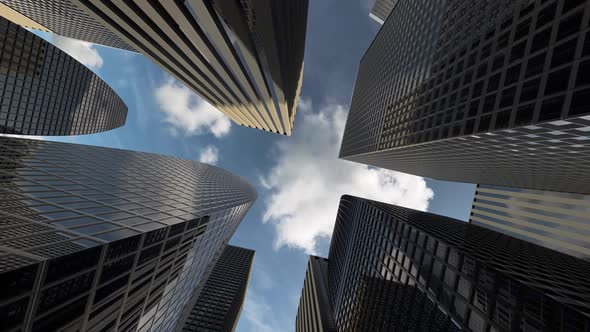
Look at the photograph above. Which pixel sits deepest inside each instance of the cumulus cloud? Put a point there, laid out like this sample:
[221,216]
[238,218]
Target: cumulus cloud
[209,155]
[308,179]
[188,113]
[84,52]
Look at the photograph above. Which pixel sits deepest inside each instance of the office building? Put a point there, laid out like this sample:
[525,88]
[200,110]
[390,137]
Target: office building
[314,313]
[491,92]
[219,306]
[381,10]
[560,221]
[61,17]
[96,239]
[396,269]
[243,57]
[44,91]
[18,18]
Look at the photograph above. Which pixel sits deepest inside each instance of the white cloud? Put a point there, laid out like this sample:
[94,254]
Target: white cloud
[308,179]
[257,311]
[84,52]
[209,155]
[189,113]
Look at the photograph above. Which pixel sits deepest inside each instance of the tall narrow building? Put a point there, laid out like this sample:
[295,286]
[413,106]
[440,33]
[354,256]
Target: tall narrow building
[396,269]
[492,92]
[97,239]
[314,313]
[243,57]
[218,307]
[381,10]
[560,221]
[44,91]
[61,17]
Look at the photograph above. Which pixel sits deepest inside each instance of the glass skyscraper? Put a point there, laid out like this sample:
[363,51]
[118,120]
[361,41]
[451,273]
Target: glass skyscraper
[243,57]
[44,91]
[560,221]
[314,312]
[94,238]
[491,92]
[61,17]
[220,303]
[395,269]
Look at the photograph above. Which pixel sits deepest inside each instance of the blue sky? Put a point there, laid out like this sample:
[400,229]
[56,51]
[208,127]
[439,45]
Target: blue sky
[299,179]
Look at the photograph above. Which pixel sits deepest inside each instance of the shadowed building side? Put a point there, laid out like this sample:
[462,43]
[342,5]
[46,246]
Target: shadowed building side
[314,313]
[243,57]
[96,239]
[220,303]
[395,269]
[490,92]
[45,92]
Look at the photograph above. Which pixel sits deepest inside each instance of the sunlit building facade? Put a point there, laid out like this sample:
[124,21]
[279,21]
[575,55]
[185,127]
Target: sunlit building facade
[243,57]
[95,239]
[218,307]
[560,221]
[395,269]
[490,92]
[45,92]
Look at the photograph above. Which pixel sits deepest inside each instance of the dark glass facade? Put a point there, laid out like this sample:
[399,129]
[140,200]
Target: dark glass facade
[94,238]
[491,92]
[314,313]
[66,19]
[396,269]
[243,57]
[220,303]
[45,92]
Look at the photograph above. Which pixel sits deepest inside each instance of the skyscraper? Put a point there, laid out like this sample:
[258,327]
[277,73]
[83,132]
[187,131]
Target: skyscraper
[61,17]
[491,92]
[219,306]
[314,312]
[243,57]
[44,91]
[381,9]
[397,269]
[20,19]
[94,238]
[560,221]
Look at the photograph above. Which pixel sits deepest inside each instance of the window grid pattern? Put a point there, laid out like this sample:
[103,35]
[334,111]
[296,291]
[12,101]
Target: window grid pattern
[394,268]
[243,57]
[220,302]
[314,313]
[560,221]
[490,66]
[132,234]
[64,18]
[46,92]
[510,157]
[382,9]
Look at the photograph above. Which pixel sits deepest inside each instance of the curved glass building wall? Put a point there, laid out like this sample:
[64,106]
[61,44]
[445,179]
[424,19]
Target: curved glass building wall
[94,238]
[45,92]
